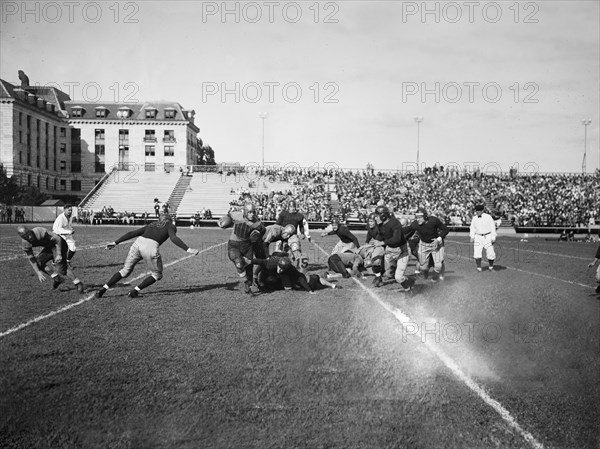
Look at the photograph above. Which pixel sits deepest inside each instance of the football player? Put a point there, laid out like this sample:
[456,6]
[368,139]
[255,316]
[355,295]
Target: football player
[54,248]
[245,242]
[348,241]
[63,226]
[396,249]
[146,248]
[291,216]
[432,233]
[373,250]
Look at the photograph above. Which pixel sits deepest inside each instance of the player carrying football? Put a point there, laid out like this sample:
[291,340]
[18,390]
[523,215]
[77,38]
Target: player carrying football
[245,242]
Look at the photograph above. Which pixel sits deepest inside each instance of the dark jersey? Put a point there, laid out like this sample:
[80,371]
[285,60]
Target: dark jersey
[159,232]
[296,219]
[391,233]
[598,253]
[43,238]
[292,278]
[431,229]
[373,234]
[345,235]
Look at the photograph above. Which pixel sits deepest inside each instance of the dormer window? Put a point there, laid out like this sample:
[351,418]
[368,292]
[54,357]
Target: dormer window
[150,113]
[170,113]
[101,112]
[77,111]
[123,113]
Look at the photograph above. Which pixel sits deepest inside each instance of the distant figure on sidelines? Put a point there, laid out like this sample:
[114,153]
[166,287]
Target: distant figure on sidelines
[591,264]
[146,247]
[63,226]
[54,249]
[483,236]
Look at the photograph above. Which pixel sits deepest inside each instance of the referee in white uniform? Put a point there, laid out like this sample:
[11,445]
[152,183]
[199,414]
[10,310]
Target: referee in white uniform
[483,236]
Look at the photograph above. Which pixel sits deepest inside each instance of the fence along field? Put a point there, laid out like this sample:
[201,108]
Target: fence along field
[194,362]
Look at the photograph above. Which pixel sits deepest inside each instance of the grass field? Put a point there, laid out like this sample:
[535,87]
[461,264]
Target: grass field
[502,360]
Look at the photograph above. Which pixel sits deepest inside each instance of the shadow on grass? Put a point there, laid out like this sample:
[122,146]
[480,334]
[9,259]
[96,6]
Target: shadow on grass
[197,289]
[119,264]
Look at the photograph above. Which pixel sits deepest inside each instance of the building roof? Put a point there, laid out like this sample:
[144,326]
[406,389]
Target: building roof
[138,110]
[49,94]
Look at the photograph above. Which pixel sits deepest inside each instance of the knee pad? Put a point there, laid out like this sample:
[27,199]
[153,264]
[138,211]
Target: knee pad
[157,276]
[125,273]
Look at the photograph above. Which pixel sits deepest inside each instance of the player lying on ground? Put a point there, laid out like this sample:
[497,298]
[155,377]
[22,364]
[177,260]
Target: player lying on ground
[279,272]
[54,248]
[347,263]
[146,248]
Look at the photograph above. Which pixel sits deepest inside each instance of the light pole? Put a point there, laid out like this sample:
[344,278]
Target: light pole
[263,116]
[418,119]
[122,115]
[585,124]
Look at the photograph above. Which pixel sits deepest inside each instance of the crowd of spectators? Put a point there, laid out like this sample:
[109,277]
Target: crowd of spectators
[526,200]
[533,200]
[308,188]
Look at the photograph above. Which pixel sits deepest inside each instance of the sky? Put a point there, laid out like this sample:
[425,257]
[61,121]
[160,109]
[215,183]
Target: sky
[498,84]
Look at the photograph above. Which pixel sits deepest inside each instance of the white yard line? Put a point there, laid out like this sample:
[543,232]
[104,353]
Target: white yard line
[453,366]
[81,301]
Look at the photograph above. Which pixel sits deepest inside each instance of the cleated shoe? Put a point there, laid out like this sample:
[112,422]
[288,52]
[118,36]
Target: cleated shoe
[491,269]
[479,269]
[133,293]
[100,293]
[248,287]
[598,289]
[81,287]
[377,281]
[56,281]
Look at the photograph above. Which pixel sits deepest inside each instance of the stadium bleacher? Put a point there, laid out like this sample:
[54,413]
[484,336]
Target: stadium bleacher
[132,191]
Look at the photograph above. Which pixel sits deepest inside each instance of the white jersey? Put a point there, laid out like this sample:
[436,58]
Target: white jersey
[483,225]
[62,225]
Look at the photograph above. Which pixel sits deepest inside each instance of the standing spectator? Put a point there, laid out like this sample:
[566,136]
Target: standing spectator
[156,207]
[9,213]
[483,236]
